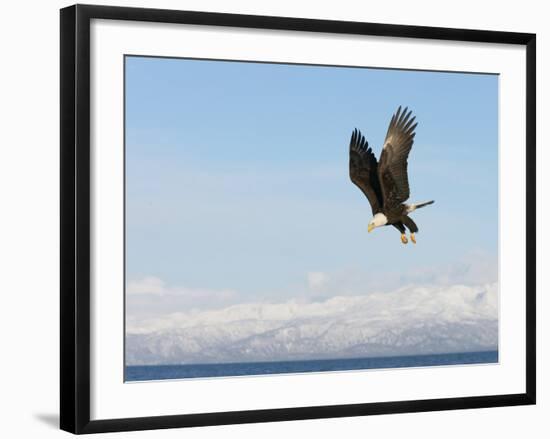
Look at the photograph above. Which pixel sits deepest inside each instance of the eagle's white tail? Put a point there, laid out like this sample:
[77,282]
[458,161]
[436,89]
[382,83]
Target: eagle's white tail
[413,207]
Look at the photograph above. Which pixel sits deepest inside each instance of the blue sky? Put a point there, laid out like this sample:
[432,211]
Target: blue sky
[237,178]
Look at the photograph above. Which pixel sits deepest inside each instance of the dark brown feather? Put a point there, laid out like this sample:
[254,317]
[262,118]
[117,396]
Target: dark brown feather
[363,170]
[392,169]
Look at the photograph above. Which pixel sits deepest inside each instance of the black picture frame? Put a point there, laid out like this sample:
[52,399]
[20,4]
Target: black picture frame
[75,217]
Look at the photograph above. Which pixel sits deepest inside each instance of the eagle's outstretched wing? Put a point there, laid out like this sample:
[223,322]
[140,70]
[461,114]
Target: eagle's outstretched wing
[392,169]
[363,170]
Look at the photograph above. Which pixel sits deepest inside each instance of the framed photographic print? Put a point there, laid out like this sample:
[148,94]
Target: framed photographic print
[268,218]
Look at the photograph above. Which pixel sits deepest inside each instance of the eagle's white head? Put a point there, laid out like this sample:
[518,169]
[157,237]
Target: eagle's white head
[377,220]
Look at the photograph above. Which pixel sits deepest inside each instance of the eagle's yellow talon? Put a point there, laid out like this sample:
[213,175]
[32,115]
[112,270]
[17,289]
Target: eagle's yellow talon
[404,239]
[413,239]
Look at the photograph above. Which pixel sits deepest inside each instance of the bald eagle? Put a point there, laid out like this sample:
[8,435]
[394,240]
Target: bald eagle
[386,183]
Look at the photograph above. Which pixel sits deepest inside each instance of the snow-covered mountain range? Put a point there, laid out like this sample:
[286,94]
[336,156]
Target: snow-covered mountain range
[411,320]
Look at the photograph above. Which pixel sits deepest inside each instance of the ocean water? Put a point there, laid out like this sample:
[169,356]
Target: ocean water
[168,372]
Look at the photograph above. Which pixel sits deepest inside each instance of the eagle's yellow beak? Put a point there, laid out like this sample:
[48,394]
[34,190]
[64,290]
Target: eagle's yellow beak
[371,227]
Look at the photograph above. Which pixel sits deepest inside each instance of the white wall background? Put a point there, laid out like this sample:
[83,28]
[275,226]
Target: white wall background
[29,206]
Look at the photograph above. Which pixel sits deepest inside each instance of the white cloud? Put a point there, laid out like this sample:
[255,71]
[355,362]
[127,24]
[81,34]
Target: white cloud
[147,285]
[475,268]
[152,298]
[151,285]
[316,280]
